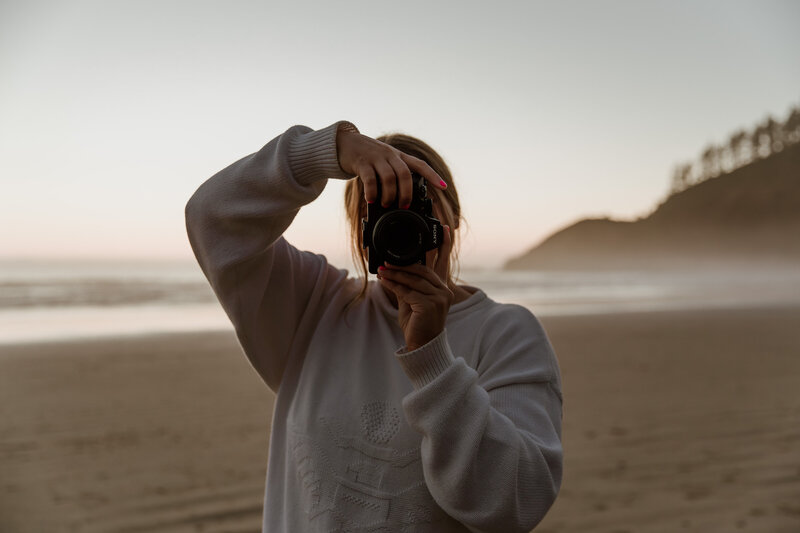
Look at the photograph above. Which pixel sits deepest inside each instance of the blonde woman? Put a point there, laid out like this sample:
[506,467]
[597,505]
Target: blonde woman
[404,403]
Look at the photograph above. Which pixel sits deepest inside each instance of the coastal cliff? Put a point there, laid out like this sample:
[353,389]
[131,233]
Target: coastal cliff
[749,216]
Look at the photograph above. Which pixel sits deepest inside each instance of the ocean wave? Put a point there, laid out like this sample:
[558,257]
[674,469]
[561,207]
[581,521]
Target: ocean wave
[100,292]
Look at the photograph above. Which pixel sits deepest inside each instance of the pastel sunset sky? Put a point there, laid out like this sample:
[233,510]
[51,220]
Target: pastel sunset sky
[113,113]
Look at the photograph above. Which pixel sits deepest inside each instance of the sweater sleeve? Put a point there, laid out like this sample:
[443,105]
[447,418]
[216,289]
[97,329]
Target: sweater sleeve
[491,447]
[235,221]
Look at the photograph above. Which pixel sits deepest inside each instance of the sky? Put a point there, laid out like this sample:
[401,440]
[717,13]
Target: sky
[113,113]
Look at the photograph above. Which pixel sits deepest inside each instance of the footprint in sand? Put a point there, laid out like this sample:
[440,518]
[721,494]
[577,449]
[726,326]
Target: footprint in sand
[617,431]
[696,492]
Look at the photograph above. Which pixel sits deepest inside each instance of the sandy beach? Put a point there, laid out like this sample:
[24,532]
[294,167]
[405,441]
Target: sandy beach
[673,421]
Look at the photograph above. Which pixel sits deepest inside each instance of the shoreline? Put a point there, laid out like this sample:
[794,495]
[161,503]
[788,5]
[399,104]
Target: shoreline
[220,323]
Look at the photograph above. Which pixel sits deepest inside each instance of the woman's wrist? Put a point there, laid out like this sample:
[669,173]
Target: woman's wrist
[428,361]
[313,155]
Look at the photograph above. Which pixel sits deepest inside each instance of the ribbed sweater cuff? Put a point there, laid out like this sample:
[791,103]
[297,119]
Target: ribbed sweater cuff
[313,155]
[425,363]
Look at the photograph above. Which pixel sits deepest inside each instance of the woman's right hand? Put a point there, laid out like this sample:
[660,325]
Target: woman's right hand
[370,160]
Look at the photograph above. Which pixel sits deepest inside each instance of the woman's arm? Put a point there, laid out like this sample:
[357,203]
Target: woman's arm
[491,447]
[235,221]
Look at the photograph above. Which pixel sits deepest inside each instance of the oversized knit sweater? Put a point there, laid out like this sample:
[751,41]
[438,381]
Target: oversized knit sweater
[461,434]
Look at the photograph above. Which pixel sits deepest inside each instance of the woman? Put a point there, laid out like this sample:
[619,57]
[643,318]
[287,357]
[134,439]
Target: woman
[457,430]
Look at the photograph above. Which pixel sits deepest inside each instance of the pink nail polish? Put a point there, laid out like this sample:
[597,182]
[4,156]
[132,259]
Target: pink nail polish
[443,184]
[381,268]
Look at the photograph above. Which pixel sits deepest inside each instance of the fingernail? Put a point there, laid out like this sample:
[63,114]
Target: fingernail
[381,268]
[370,201]
[443,184]
[406,206]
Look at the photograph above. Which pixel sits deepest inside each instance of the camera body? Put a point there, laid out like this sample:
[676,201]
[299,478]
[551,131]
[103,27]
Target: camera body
[401,236]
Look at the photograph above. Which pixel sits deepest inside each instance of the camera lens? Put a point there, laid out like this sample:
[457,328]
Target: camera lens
[402,238]
[399,236]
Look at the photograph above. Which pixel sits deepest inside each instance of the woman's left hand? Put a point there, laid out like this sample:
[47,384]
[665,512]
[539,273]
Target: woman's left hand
[423,297]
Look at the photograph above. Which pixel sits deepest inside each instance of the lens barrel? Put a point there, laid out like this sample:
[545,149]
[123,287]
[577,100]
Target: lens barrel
[400,236]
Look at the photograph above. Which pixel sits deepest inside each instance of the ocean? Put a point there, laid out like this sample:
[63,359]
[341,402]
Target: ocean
[58,300]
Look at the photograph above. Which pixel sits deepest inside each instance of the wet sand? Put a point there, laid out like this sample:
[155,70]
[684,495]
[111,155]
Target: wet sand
[673,421]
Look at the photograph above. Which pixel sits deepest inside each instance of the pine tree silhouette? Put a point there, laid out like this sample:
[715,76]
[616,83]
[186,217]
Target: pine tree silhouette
[766,138]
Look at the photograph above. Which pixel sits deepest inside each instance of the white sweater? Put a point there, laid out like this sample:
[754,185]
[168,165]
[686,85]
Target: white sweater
[462,434]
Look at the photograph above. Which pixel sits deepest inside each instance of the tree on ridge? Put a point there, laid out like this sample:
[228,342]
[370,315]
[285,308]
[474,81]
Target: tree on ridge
[767,137]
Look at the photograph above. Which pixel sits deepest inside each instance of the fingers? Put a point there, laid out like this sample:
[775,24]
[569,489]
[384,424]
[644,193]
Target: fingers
[401,291]
[413,279]
[419,270]
[417,286]
[404,184]
[395,182]
[393,168]
[388,182]
[424,169]
[367,175]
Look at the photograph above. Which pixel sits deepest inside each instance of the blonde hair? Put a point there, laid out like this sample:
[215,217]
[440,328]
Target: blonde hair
[447,200]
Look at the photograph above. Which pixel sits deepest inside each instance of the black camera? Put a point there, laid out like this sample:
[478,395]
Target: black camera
[401,236]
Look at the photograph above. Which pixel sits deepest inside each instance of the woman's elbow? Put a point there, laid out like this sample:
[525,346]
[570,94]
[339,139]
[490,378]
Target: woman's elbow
[539,491]
[537,508]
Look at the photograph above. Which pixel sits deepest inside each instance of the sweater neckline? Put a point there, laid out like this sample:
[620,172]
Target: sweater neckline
[379,296]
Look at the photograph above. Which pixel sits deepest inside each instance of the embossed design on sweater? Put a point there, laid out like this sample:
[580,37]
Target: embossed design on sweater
[358,481]
[379,422]
[308,472]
